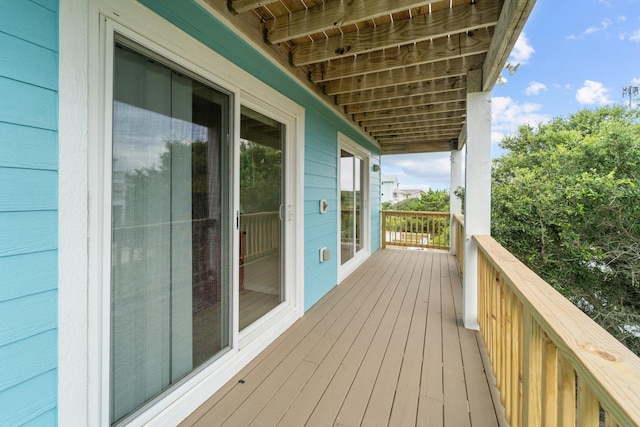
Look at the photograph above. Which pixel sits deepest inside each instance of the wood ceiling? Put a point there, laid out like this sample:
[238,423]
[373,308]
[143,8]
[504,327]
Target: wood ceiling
[399,69]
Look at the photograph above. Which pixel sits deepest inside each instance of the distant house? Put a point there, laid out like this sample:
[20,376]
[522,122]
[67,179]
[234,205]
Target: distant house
[391,191]
[399,195]
[388,187]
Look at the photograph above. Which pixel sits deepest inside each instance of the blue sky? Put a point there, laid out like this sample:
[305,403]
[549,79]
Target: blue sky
[572,55]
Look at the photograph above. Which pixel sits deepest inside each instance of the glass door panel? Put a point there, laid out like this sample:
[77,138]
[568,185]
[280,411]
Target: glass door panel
[261,211]
[169,250]
[351,176]
[347,203]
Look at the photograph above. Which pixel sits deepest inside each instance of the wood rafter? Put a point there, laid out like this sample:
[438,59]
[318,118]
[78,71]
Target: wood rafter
[451,121]
[410,111]
[239,6]
[432,146]
[424,136]
[401,70]
[401,91]
[417,73]
[431,98]
[425,27]
[454,115]
[513,16]
[462,44]
[419,128]
[332,15]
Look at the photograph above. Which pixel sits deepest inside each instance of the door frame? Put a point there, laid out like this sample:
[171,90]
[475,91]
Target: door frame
[347,144]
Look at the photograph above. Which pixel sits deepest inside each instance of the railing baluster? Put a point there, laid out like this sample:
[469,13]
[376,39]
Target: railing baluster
[532,364]
[588,406]
[566,393]
[549,382]
[416,229]
[508,362]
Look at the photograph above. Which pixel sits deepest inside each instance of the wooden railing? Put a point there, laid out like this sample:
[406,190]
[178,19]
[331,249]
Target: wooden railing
[553,365]
[458,227]
[415,229]
[262,234]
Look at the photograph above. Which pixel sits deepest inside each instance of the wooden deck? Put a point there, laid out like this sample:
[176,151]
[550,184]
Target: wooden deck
[384,348]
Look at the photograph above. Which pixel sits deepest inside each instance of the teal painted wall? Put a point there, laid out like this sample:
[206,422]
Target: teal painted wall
[28,211]
[321,139]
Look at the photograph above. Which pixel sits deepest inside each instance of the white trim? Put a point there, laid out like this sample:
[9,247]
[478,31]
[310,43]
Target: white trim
[294,293]
[83,359]
[73,378]
[344,270]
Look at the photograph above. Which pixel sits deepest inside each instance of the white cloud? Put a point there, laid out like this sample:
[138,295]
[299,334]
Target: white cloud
[535,88]
[635,36]
[419,171]
[522,50]
[603,26]
[508,115]
[593,93]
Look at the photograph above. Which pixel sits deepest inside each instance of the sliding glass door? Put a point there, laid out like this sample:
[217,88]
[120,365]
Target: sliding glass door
[354,210]
[261,215]
[200,219]
[169,252]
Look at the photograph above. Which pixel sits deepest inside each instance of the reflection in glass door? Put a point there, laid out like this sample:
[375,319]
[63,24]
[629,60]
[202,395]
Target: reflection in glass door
[351,169]
[261,211]
[169,203]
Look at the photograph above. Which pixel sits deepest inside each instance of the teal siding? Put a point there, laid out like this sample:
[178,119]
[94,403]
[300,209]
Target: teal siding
[322,125]
[28,212]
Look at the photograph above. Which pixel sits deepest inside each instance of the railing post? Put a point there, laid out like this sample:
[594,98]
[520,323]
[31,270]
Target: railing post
[383,221]
[477,193]
[455,204]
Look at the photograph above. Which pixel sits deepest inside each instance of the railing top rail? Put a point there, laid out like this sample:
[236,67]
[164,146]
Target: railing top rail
[416,212]
[459,217]
[610,369]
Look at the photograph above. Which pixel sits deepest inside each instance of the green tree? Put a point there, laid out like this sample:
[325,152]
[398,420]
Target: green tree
[431,201]
[566,201]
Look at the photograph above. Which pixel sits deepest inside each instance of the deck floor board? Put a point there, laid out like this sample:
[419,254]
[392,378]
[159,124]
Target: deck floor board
[386,347]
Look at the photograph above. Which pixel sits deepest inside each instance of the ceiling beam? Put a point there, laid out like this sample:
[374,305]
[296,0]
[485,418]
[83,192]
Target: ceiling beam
[463,44]
[441,23]
[432,146]
[421,134]
[512,19]
[239,6]
[410,101]
[455,115]
[333,14]
[417,136]
[417,73]
[401,91]
[391,130]
[402,112]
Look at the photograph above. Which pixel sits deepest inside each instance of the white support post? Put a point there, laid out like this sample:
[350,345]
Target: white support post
[455,204]
[477,197]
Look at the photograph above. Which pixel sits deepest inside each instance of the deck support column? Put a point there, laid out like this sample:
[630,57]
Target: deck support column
[477,199]
[455,204]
